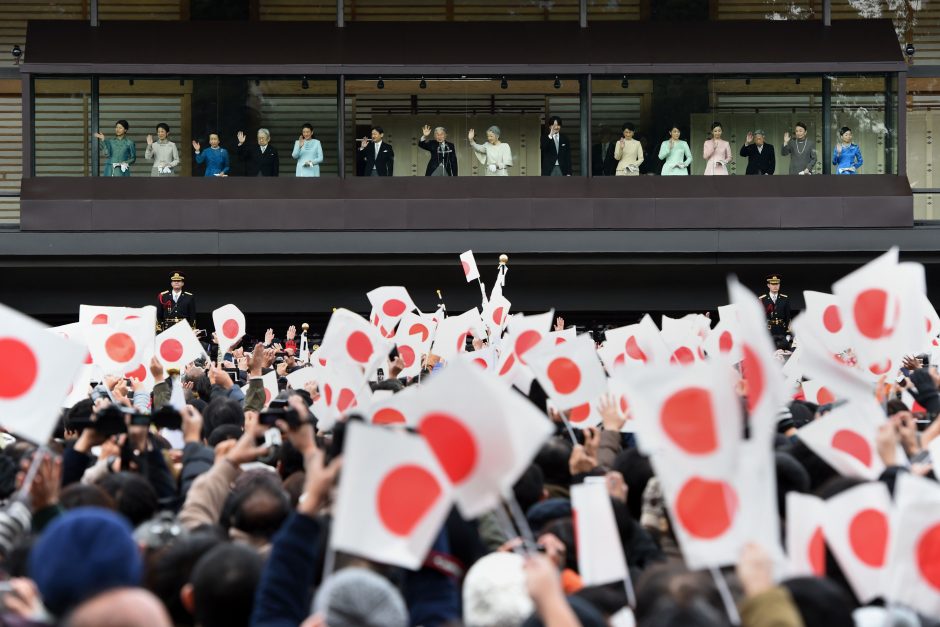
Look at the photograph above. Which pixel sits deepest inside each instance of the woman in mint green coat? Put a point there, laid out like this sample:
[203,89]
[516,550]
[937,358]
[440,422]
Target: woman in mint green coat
[676,154]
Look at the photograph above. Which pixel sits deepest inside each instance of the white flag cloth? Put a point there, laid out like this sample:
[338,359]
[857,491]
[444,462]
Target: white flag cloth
[89,315]
[269,380]
[177,346]
[343,388]
[389,304]
[823,314]
[469,264]
[724,342]
[300,377]
[396,409]
[413,340]
[229,324]
[124,347]
[177,396]
[452,333]
[823,367]
[816,392]
[600,550]
[496,315]
[570,373]
[392,499]
[351,339]
[485,358]
[857,529]
[37,369]
[913,577]
[524,333]
[806,546]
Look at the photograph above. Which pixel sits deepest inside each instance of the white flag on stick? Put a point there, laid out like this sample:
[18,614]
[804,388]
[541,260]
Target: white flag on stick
[913,577]
[178,346]
[806,546]
[469,264]
[229,324]
[600,550]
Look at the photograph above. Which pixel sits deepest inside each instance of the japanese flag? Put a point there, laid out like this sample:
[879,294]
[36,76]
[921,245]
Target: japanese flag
[883,311]
[344,388]
[301,377]
[389,304]
[728,313]
[124,347]
[469,266]
[570,373]
[393,497]
[75,333]
[580,416]
[816,362]
[413,340]
[913,577]
[525,332]
[816,392]
[845,438]
[397,409]
[352,340]
[620,396]
[37,369]
[79,389]
[89,315]
[485,359]
[565,335]
[496,315]
[857,528]
[724,342]
[269,380]
[823,314]
[178,346]
[600,550]
[806,546]
[229,324]
[931,323]
[452,333]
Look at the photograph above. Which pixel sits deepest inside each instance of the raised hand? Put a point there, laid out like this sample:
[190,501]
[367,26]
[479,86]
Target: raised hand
[197,146]
[559,324]
[301,141]
[839,148]
[364,143]
[786,137]
[425,130]
[749,138]
[471,134]
[241,137]
[268,337]
[99,135]
[291,332]
[149,139]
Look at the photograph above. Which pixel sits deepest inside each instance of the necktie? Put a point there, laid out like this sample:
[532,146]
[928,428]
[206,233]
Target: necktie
[555,137]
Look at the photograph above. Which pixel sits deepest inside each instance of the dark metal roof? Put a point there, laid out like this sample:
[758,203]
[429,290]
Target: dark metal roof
[524,48]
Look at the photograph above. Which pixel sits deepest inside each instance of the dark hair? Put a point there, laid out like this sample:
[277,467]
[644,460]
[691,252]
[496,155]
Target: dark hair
[201,387]
[529,488]
[258,505]
[224,582]
[379,130]
[290,460]
[171,568]
[717,125]
[135,498]
[223,411]
[801,125]
[553,460]
[673,126]
[563,529]
[844,130]
[791,477]
[637,471]
[894,406]
[821,601]
[628,126]
[223,433]
[307,125]
[216,133]
[689,597]
[164,126]
[86,495]
[554,119]
[123,123]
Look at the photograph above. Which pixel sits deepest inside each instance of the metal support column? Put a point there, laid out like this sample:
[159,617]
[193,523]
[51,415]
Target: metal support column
[902,124]
[341,123]
[826,124]
[582,13]
[891,130]
[93,12]
[29,127]
[585,99]
[94,125]
[827,12]
[340,13]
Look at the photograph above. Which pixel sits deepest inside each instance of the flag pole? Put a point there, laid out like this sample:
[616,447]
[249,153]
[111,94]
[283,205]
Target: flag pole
[33,470]
[726,597]
[521,522]
[503,520]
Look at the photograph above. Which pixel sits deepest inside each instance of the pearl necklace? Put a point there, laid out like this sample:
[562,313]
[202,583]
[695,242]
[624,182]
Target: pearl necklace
[798,151]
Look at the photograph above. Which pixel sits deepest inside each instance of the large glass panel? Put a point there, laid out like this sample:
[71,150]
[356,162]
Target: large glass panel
[858,104]
[615,103]
[923,143]
[61,136]
[461,11]
[519,108]
[297,10]
[143,9]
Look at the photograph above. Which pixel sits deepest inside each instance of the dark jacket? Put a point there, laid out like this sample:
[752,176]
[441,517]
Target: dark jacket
[778,314]
[603,163]
[449,159]
[759,162]
[384,163]
[184,307]
[259,163]
[550,155]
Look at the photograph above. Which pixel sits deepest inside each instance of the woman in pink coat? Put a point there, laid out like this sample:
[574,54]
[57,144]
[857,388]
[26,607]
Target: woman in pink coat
[717,153]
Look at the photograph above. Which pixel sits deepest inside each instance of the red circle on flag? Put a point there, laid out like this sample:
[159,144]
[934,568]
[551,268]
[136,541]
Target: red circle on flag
[525,341]
[832,321]
[753,372]
[560,340]
[725,342]
[462,343]
[706,508]
[19,368]
[394,307]
[404,497]
[929,324]
[139,373]
[120,347]
[824,396]
[634,350]
[452,443]
[346,400]
[851,443]
[868,537]
[171,350]
[419,328]
[359,346]
[230,328]
[624,405]
[388,416]
[498,316]
[564,374]
[481,363]
[870,310]
[928,556]
[816,552]
[267,396]
[100,319]
[682,355]
[507,365]
[407,355]
[881,368]
[580,413]
[687,419]
[466,267]
[619,360]
[328,393]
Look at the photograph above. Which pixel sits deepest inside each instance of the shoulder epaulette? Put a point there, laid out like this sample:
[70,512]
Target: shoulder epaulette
[165,292]
[763,296]
[783,296]
[189,293]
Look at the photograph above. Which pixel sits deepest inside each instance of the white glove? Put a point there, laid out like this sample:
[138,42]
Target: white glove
[166,170]
[123,167]
[492,167]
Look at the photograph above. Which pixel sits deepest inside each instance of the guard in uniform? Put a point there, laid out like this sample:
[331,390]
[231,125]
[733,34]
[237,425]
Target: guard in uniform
[777,308]
[175,304]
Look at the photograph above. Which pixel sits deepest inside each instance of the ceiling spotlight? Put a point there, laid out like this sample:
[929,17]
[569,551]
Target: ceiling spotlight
[557,83]
[747,81]
[908,50]
[380,84]
[305,84]
[423,84]
[625,83]
[797,80]
[17,52]
[504,84]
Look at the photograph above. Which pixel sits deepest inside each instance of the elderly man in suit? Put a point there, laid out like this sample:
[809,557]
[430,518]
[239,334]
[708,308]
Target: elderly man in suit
[556,150]
[760,154]
[260,160]
[376,157]
[443,160]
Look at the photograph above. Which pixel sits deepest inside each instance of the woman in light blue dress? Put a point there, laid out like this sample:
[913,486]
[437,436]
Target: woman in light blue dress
[676,154]
[846,156]
[308,152]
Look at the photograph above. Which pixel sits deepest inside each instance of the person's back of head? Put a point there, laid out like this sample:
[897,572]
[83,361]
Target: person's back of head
[134,496]
[223,411]
[530,487]
[553,460]
[222,433]
[672,592]
[637,471]
[85,495]
[221,589]
[358,597]
[171,569]
[821,601]
[669,613]
[257,506]
[124,607]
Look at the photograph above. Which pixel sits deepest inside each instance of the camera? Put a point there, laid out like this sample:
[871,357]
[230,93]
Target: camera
[909,50]
[17,52]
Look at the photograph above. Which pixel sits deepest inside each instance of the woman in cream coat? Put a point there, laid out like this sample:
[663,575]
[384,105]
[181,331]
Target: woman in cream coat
[717,152]
[628,153]
[494,155]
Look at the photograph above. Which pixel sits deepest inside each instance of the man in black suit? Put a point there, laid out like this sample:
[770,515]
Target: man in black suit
[260,160]
[556,150]
[602,156]
[777,308]
[760,155]
[175,304]
[375,155]
[443,160]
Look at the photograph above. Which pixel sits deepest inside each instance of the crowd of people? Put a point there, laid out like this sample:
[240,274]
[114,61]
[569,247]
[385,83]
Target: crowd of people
[624,156]
[183,508]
